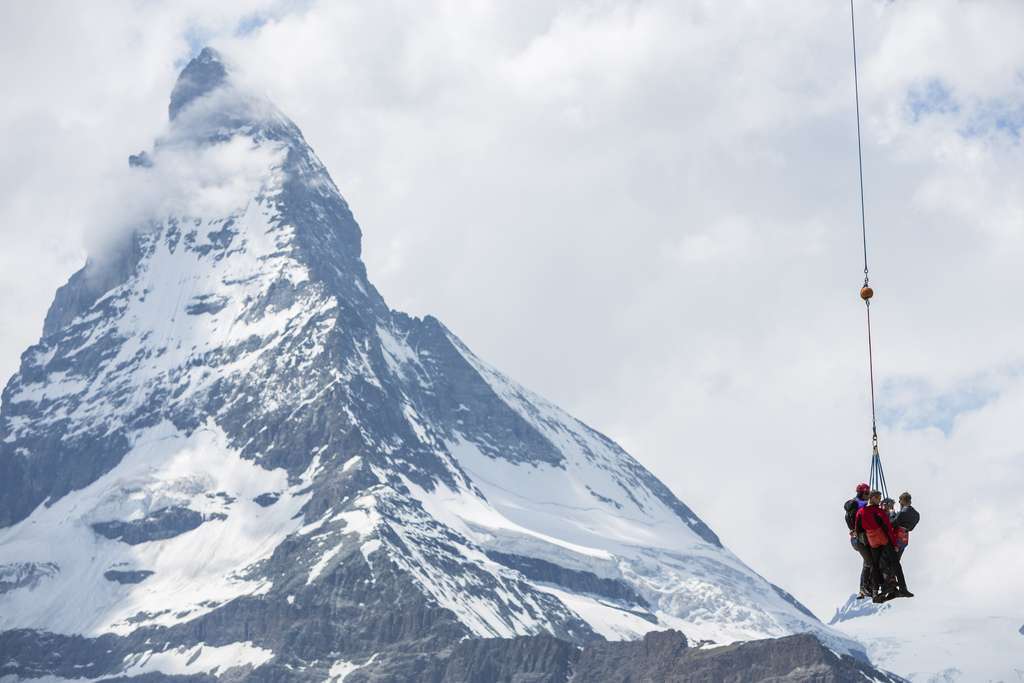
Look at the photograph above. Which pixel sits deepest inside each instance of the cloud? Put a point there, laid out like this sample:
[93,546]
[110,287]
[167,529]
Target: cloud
[914,403]
[187,179]
[645,211]
[191,170]
[83,87]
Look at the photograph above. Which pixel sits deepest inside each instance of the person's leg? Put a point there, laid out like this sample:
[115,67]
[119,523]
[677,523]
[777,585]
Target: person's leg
[900,578]
[876,570]
[890,569]
[866,584]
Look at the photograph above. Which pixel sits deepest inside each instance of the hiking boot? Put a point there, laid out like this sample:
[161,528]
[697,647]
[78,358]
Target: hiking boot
[904,593]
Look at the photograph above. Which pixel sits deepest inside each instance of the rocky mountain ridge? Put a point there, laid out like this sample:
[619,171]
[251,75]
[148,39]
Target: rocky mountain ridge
[227,453]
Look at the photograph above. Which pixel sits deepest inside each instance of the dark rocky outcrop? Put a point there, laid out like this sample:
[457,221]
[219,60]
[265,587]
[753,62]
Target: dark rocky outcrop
[25,574]
[202,75]
[660,657]
[127,575]
[529,659]
[164,523]
[140,160]
[266,499]
[537,569]
[205,304]
[665,657]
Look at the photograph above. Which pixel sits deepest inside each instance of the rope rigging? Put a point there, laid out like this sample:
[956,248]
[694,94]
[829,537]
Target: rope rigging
[877,475]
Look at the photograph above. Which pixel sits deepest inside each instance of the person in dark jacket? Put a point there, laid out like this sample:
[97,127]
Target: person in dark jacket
[905,521]
[874,523]
[858,543]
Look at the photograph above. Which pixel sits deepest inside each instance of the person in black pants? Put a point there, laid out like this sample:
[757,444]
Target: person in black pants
[897,567]
[904,522]
[859,543]
[881,537]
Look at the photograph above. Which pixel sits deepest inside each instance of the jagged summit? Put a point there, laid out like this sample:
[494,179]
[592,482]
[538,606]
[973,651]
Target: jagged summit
[211,103]
[227,450]
[203,74]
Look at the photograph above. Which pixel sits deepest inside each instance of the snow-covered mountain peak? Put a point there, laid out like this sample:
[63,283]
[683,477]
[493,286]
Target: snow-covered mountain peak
[224,424]
[202,75]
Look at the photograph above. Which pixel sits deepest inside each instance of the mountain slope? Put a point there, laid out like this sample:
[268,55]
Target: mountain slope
[227,449]
[931,638]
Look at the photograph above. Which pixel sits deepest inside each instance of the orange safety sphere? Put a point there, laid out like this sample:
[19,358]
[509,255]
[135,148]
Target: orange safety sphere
[866,292]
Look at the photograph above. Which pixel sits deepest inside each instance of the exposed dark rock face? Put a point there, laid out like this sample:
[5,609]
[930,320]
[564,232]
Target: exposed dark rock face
[25,574]
[584,582]
[205,304]
[665,657]
[202,75]
[140,160]
[527,659]
[165,523]
[660,657]
[266,499]
[26,654]
[127,575]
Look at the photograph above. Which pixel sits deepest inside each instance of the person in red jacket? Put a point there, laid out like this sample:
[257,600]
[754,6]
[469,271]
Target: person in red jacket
[874,522]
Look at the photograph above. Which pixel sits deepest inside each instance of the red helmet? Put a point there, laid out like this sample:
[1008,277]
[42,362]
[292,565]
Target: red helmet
[863,488]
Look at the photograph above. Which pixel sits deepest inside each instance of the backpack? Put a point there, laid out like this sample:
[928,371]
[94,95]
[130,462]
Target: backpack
[851,508]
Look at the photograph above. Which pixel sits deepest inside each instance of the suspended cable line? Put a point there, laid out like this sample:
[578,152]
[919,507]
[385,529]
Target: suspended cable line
[877,475]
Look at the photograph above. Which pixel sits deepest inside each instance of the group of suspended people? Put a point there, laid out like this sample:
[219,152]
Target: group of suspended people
[880,534]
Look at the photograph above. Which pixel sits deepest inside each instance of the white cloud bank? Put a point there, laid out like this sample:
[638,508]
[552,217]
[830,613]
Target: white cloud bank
[646,211]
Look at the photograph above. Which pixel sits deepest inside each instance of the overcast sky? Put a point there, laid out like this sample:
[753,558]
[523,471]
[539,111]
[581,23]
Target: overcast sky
[645,211]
